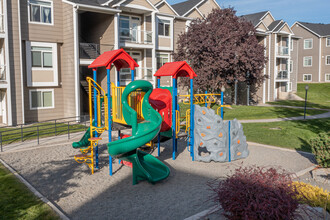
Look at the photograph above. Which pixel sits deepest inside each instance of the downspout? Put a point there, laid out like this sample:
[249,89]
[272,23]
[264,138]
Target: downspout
[76,58]
[7,61]
[154,30]
[264,83]
[320,42]
[21,57]
[269,47]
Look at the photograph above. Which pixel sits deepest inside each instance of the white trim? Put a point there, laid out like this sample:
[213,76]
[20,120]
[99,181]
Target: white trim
[136,6]
[283,27]
[264,81]
[275,69]
[325,77]
[155,41]
[276,26]
[8,92]
[41,23]
[41,90]
[326,42]
[289,84]
[307,75]
[269,74]
[165,2]
[268,12]
[76,63]
[304,61]
[326,58]
[116,32]
[198,4]
[91,8]
[200,12]
[170,19]
[320,57]
[216,3]
[29,67]
[305,41]
[290,65]
[21,58]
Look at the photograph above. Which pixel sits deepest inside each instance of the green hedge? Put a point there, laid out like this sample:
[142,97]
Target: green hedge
[321,149]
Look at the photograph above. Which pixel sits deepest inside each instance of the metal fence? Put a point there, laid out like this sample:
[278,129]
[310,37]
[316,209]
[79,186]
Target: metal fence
[38,130]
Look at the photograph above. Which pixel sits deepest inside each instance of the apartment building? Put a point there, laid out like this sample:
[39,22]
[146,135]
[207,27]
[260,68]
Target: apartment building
[47,45]
[279,42]
[313,52]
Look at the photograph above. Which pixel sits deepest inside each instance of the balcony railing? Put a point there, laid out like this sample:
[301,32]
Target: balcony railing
[282,75]
[2,72]
[92,50]
[2,24]
[132,35]
[283,51]
[139,73]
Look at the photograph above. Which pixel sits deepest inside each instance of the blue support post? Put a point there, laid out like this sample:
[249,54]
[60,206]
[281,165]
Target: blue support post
[132,75]
[109,117]
[221,105]
[205,98]
[118,78]
[95,116]
[229,154]
[158,82]
[192,113]
[119,161]
[173,118]
[158,139]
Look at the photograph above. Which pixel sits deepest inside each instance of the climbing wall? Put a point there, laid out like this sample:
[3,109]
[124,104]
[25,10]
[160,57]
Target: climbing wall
[212,137]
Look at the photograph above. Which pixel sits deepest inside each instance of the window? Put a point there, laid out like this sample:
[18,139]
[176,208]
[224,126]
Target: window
[327,60]
[307,61]
[288,87]
[162,59]
[129,28]
[291,66]
[41,11]
[41,64]
[164,27]
[42,57]
[291,44]
[308,43]
[327,77]
[307,77]
[328,41]
[41,99]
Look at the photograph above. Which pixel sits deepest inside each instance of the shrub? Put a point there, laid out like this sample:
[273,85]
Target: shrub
[256,193]
[321,149]
[313,195]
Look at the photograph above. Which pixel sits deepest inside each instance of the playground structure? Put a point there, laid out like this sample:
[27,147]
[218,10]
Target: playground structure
[149,112]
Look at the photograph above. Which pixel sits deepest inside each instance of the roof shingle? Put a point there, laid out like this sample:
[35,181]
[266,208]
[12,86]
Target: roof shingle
[255,17]
[320,29]
[183,7]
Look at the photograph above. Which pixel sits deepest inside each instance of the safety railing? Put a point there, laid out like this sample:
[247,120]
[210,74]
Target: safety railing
[2,72]
[187,121]
[93,50]
[134,100]
[100,93]
[177,126]
[2,23]
[282,51]
[200,98]
[134,35]
[39,130]
[282,75]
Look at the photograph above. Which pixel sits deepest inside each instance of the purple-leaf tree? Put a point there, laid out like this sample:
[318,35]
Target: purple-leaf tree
[221,48]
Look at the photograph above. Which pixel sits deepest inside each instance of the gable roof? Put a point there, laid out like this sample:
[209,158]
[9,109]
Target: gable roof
[254,18]
[89,2]
[176,69]
[183,7]
[275,25]
[318,28]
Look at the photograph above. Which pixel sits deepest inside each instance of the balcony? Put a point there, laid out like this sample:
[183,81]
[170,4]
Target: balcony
[139,73]
[282,75]
[2,24]
[93,50]
[283,51]
[2,73]
[135,36]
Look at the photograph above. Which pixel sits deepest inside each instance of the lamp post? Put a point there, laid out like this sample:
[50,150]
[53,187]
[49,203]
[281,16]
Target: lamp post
[222,91]
[306,88]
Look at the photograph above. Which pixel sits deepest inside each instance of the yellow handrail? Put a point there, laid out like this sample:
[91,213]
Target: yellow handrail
[177,120]
[200,98]
[227,106]
[134,100]
[187,121]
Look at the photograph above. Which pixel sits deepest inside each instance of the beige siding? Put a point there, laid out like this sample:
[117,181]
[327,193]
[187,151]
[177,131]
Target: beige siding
[194,14]
[207,7]
[154,1]
[42,76]
[139,2]
[272,67]
[43,32]
[164,8]
[268,20]
[286,29]
[179,28]
[314,53]
[294,58]
[262,27]
[164,41]
[68,62]
[14,61]
[325,69]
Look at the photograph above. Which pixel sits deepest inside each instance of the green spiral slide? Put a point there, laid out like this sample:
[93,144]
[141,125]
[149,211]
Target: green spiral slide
[145,166]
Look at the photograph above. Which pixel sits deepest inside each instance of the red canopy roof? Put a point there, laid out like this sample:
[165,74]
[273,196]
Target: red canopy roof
[119,58]
[176,69]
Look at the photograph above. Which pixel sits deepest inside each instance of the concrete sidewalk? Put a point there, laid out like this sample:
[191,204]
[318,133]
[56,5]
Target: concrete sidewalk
[289,106]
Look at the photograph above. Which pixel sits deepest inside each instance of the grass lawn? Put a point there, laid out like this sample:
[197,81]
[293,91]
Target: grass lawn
[17,202]
[287,134]
[257,112]
[318,96]
[10,135]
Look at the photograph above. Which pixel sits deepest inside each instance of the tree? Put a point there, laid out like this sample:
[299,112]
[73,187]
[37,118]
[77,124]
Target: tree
[221,48]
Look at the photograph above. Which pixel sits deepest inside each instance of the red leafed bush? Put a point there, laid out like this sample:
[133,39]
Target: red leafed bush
[256,193]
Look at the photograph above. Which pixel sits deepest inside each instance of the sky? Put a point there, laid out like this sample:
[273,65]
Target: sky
[314,11]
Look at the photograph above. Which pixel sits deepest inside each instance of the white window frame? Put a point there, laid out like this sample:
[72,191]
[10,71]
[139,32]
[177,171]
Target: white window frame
[289,86]
[29,67]
[42,23]
[325,77]
[291,66]
[41,90]
[326,60]
[130,21]
[327,42]
[307,75]
[291,44]
[168,57]
[169,31]
[311,61]
[305,44]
